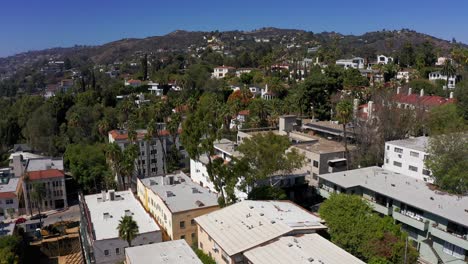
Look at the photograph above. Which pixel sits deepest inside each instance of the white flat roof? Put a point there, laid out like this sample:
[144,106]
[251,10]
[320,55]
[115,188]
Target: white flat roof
[10,186]
[26,155]
[39,164]
[308,248]
[247,224]
[170,252]
[417,143]
[106,228]
[404,189]
[183,195]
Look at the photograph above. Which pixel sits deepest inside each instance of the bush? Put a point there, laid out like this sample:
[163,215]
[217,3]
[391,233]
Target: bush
[204,257]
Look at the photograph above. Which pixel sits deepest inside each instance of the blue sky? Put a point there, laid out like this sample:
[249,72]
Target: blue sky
[38,24]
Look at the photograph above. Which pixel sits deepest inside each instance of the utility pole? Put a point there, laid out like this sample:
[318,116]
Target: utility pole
[406,248]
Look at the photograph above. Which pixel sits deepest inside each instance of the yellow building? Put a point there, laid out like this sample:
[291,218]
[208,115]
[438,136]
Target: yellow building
[174,201]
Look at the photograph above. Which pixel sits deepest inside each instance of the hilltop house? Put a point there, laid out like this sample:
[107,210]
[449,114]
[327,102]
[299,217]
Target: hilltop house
[437,75]
[222,71]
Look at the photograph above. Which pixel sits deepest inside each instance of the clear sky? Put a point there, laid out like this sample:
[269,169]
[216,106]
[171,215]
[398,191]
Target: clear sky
[38,24]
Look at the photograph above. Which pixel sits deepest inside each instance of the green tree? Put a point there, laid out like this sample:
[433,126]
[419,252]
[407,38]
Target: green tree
[448,69]
[128,229]
[144,67]
[267,154]
[461,95]
[353,78]
[445,119]
[406,56]
[344,115]
[353,227]
[9,249]
[38,193]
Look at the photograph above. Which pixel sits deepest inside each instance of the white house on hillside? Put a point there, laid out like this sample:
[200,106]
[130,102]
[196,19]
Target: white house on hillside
[382,59]
[356,63]
[433,76]
[222,71]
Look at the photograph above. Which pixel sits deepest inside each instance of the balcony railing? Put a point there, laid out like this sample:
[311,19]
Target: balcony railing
[458,240]
[381,208]
[411,219]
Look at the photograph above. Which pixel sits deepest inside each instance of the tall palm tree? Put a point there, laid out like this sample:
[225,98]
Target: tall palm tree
[38,193]
[115,157]
[128,229]
[344,114]
[448,70]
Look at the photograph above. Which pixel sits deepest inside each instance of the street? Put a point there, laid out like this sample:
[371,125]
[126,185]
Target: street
[71,214]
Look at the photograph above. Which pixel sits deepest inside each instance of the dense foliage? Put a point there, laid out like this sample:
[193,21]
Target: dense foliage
[372,238]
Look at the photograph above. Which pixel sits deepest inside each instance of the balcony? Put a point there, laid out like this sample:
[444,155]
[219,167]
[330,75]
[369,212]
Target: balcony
[449,237]
[414,221]
[381,209]
[324,193]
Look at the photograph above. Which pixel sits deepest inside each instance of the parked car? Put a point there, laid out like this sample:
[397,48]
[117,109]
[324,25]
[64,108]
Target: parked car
[20,220]
[38,216]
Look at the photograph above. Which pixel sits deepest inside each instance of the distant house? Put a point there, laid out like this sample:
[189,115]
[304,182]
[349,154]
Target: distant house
[155,89]
[403,75]
[382,59]
[51,90]
[66,84]
[133,83]
[222,71]
[441,61]
[356,63]
[239,119]
[437,75]
[240,71]
[10,190]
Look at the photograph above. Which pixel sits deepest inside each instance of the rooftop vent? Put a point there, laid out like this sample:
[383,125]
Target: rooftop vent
[251,206]
[170,194]
[272,221]
[128,212]
[152,182]
[195,190]
[199,203]
[310,259]
[262,214]
[106,216]
[393,185]
[290,245]
[432,198]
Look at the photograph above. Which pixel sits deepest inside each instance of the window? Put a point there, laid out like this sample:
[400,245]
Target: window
[106,252]
[316,164]
[388,147]
[396,163]
[314,176]
[201,245]
[182,224]
[192,222]
[426,172]
[386,161]
[9,201]
[193,236]
[182,237]
[143,162]
[398,150]
[413,168]
[117,251]
[414,154]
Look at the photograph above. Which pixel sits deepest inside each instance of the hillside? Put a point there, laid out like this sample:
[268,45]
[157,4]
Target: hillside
[385,42]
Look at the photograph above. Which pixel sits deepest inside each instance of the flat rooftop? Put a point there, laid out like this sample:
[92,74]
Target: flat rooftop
[323,145]
[106,214]
[406,189]
[417,143]
[9,185]
[328,127]
[38,164]
[227,146]
[308,248]
[170,252]
[183,194]
[247,224]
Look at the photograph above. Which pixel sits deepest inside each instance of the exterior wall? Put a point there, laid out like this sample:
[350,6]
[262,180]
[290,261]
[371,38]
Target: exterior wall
[433,76]
[211,248]
[406,159]
[54,195]
[317,164]
[112,245]
[190,230]
[5,204]
[199,174]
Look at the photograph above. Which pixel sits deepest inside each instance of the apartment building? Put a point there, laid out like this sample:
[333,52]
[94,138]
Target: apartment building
[150,161]
[174,201]
[49,173]
[10,188]
[170,252]
[227,234]
[407,157]
[100,216]
[222,71]
[436,222]
[304,248]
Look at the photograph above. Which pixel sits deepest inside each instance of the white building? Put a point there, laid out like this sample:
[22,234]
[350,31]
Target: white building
[155,89]
[100,216]
[433,76]
[228,233]
[407,157]
[307,248]
[240,71]
[222,71]
[170,252]
[9,192]
[403,75]
[356,63]
[382,59]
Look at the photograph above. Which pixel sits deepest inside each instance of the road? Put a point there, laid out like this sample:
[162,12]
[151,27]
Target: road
[71,214]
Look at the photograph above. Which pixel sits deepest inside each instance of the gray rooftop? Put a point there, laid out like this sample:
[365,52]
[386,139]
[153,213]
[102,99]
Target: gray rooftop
[418,143]
[9,185]
[183,194]
[227,146]
[309,248]
[247,224]
[106,214]
[39,164]
[170,252]
[405,189]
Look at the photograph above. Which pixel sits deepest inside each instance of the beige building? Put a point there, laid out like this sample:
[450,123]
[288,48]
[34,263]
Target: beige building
[174,201]
[170,252]
[227,234]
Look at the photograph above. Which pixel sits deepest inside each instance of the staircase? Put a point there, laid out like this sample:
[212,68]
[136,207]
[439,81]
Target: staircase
[429,243]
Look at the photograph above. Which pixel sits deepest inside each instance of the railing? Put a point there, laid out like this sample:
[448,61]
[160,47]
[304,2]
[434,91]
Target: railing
[415,221]
[458,240]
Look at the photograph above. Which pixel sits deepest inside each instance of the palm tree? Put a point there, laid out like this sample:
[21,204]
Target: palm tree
[37,195]
[448,70]
[115,157]
[128,229]
[344,114]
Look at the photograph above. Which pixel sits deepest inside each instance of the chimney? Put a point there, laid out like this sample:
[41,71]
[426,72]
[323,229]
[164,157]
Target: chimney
[103,194]
[398,90]
[451,95]
[111,195]
[421,93]
[410,90]
[370,106]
